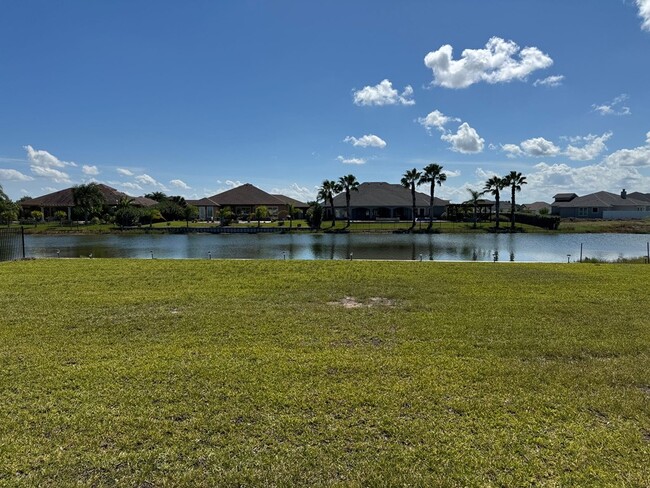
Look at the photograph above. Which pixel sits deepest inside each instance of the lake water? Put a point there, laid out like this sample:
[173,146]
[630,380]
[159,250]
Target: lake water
[438,247]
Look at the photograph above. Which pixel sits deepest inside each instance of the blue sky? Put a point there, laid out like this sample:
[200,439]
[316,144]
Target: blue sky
[192,98]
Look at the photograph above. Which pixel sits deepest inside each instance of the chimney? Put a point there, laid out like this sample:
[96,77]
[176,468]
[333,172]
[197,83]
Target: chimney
[623,194]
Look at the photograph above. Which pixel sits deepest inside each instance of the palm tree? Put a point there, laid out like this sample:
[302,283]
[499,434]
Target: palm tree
[408,181]
[348,183]
[125,202]
[326,192]
[474,202]
[432,174]
[291,210]
[494,186]
[515,181]
[89,198]
[157,196]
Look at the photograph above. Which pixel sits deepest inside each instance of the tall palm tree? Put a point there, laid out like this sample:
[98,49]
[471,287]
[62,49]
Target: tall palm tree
[515,181]
[474,202]
[408,181]
[291,210]
[432,174]
[348,183]
[327,192]
[494,186]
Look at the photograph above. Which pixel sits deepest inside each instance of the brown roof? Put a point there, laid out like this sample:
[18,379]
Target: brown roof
[203,202]
[379,194]
[65,198]
[246,194]
[537,206]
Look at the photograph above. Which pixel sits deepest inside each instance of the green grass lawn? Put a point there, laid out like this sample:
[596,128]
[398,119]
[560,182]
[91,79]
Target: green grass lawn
[320,373]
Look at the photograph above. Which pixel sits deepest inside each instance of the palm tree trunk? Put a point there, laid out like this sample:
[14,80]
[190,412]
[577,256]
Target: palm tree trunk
[333,212]
[413,210]
[498,207]
[347,204]
[433,184]
[512,210]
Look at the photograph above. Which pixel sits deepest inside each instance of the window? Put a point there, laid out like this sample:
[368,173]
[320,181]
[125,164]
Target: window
[582,212]
[594,210]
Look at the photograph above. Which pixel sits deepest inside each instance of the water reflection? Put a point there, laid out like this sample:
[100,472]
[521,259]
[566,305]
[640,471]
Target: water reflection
[434,247]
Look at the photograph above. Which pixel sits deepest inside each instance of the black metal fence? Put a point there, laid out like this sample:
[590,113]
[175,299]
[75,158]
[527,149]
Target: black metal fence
[12,244]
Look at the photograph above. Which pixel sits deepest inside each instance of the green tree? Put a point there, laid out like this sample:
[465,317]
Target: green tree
[433,174]
[408,181]
[128,216]
[494,186]
[515,181]
[327,192]
[348,183]
[190,212]
[3,195]
[89,199]
[226,215]
[474,200]
[125,202]
[60,215]
[291,211]
[314,214]
[157,196]
[37,215]
[261,212]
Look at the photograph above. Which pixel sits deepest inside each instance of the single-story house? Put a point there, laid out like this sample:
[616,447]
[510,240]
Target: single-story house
[63,200]
[208,209]
[535,207]
[243,200]
[378,200]
[600,205]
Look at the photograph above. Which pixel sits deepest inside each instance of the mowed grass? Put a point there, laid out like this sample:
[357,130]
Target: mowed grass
[259,373]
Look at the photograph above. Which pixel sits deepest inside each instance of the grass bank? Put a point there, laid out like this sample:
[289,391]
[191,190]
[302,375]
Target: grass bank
[232,373]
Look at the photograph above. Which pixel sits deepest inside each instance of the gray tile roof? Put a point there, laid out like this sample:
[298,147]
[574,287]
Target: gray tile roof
[378,194]
[601,199]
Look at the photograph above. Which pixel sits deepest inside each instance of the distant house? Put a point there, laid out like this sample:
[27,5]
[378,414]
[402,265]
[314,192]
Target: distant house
[208,209]
[600,205]
[375,200]
[536,207]
[63,200]
[243,200]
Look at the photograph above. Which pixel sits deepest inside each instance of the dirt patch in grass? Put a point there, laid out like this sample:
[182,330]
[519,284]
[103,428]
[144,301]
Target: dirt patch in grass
[351,302]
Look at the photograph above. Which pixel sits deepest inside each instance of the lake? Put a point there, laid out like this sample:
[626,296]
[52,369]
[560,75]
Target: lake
[438,247]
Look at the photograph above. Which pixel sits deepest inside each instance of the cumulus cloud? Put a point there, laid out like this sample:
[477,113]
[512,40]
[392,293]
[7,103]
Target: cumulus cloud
[301,193]
[592,148]
[145,179]
[615,107]
[45,159]
[89,170]
[351,160]
[638,157]
[512,150]
[539,147]
[131,186]
[53,174]
[436,120]
[383,94]
[180,184]
[369,140]
[551,81]
[466,140]
[12,174]
[500,61]
[124,172]
[644,13]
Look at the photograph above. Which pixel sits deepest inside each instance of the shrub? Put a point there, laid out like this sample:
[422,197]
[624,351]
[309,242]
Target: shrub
[550,222]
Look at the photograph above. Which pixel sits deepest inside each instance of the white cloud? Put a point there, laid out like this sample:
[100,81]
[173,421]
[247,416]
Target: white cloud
[296,191]
[466,140]
[551,81]
[636,157]
[494,64]
[44,159]
[12,174]
[131,186]
[647,140]
[89,170]
[180,184]
[53,174]
[593,147]
[539,147]
[615,107]
[437,120]
[351,160]
[644,13]
[233,183]
[452,173]
[369,140]
[124,172]
[512,150]
[145,179]
[383,94]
